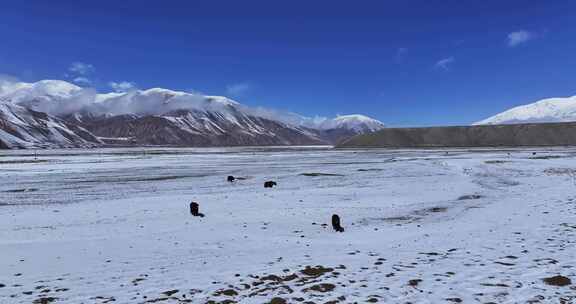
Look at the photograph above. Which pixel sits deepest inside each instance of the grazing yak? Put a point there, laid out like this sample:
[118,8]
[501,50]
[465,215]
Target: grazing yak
[270,184]
[336,223]
[195,209]
[231,178]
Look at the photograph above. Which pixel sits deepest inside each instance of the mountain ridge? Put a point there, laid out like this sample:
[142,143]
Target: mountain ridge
[511,135]
[160,116]
[548,110]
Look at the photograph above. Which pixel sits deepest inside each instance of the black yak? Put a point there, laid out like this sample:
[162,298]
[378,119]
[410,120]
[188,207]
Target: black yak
[195,209]
[336,223]
[270,184]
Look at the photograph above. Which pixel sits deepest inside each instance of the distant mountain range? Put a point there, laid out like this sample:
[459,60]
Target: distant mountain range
[54,113]
[548,122]
[508,135]
[546,110]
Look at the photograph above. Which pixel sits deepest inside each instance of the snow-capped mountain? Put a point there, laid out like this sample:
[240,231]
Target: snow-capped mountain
[23,91]
[160,116]
[356,122]
[49,96]
[24,128]
[546,110]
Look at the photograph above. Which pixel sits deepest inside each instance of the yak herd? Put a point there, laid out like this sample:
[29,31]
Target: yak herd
[195,207]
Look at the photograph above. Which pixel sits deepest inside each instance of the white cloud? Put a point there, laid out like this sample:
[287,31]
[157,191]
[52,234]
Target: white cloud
[82,81]
[444,63]
[78,73]
[81,68]
[194,92]
[8,84]
[238,89]
[519,37]
[122,86]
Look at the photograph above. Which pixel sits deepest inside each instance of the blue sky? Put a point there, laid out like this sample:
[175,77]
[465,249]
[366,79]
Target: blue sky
[404,62]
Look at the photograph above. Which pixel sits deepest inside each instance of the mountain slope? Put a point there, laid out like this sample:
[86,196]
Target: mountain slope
[512,135]
[24,128]
[198,129]
[546,110]
[160,116]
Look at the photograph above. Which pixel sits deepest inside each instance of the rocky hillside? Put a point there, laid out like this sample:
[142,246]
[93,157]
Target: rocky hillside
[24,128]
[537,134]
[157,117]
[197,129]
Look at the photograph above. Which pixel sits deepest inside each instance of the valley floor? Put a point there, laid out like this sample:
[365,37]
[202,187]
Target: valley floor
[422,226]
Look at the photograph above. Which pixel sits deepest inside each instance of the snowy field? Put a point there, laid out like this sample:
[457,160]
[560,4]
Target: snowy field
[422,226]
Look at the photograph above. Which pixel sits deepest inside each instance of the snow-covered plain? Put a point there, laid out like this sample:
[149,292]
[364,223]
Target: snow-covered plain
[422,226]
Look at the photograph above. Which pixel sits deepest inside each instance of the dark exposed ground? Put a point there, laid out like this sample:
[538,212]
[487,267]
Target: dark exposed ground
[543,134]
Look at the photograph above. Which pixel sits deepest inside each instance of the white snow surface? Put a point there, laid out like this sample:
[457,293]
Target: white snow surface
[57,97]
[92,226]
[546,110]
